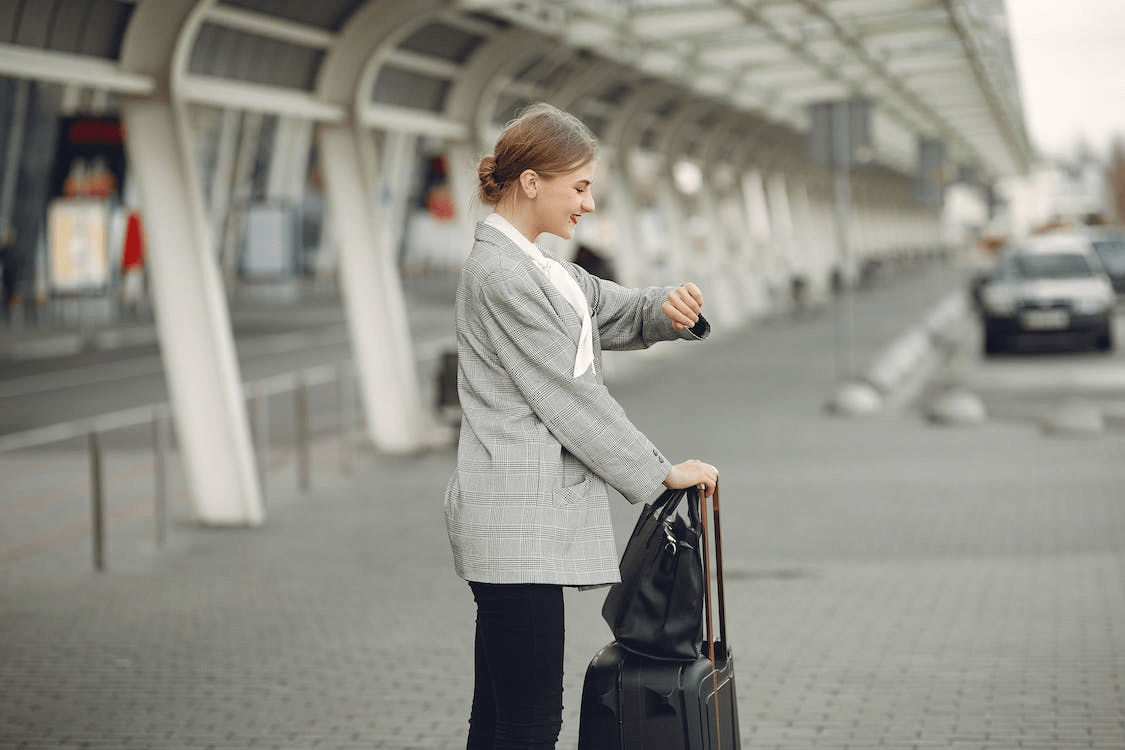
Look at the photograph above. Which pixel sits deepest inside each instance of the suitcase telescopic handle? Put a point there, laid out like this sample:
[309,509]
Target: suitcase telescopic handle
[710,601]
[711,655]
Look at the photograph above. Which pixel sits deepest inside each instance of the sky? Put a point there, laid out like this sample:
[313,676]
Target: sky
[1070,57]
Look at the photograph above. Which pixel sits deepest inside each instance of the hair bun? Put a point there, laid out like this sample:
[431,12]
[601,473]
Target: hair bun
[490,188]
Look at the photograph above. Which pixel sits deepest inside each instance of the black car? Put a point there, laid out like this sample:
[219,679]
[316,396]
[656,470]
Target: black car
[1047,288]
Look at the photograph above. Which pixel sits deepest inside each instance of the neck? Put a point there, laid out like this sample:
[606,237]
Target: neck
[518,217]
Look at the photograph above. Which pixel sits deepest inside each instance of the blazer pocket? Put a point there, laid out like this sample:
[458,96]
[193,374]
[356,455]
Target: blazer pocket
[577,494]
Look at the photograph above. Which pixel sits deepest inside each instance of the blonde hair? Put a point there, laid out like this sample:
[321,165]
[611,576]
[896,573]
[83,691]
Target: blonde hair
[543,138]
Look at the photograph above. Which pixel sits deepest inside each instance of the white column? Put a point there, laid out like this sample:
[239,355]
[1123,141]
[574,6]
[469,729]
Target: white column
[372,293]
[742,265]
[781,236]
[240,191]
[781,218]
[717,272]
[627,253]
[720,188]
[825,228]
[677,241]
[196,342]
[289,160]
[804,237]
[222,176]
[760,258]
[396,164]
[859,239]
[463,183]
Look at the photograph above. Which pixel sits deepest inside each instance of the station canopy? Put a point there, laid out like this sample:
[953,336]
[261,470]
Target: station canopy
[940,70]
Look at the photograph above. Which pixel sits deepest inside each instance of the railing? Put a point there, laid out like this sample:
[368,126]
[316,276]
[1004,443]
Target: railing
[258,394]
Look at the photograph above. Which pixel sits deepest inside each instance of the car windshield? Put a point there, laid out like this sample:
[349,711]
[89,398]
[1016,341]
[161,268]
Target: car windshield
[1112,255]
[1050,266]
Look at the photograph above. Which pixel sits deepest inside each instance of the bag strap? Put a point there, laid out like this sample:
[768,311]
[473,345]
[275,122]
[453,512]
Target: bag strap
[666,505]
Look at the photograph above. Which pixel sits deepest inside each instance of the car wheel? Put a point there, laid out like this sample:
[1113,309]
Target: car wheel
[1104,342]
[993,343]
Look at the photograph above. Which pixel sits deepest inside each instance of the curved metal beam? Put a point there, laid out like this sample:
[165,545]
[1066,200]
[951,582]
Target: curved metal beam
[353,60]
[153,41]
[17,61]
[354,180]
[690,112]
[622,132]
[583,82]
[491,63]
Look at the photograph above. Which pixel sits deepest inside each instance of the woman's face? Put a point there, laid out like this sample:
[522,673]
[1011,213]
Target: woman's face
[563,199]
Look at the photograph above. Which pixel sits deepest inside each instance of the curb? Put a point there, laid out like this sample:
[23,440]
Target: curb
[900,371]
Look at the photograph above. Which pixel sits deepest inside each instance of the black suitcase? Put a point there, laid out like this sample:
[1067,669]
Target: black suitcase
[635,702]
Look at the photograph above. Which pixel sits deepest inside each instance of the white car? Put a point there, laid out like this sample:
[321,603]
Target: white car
[1046,286]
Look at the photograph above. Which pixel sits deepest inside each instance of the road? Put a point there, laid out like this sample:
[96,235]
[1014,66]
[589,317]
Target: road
[53,391]
[42,391]
[1018,385]
[1029,383]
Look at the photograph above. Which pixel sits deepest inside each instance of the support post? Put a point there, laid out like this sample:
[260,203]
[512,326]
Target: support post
[345,415]
[845,300]
[301,433]
[160,474]
[97,503]
[197,342]
[372,293]
[261,406]
[16,124]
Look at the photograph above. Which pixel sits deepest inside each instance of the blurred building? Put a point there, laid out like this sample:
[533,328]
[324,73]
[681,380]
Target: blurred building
[1055,194]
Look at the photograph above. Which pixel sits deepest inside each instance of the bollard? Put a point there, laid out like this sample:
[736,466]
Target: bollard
[345,407]
[97,508]
[301,402]
[262,434]
[160,474]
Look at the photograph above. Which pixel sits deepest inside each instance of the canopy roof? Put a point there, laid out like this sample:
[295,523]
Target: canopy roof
[934,69]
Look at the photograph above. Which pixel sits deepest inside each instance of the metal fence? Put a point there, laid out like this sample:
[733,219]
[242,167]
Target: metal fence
[337,380]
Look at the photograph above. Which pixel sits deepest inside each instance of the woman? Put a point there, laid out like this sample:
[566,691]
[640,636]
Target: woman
[527,508]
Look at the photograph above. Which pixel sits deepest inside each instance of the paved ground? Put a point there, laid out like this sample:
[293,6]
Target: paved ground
[891,584]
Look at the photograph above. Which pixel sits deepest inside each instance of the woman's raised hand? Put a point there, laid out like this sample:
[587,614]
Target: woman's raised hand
[683,305]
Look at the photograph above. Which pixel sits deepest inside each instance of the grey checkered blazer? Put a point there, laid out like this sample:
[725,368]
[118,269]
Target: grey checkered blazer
[528,501]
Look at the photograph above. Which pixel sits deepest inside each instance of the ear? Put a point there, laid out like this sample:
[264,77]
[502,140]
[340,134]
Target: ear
[530,181]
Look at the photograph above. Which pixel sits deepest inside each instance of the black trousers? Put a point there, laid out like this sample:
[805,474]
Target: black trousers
[517,693]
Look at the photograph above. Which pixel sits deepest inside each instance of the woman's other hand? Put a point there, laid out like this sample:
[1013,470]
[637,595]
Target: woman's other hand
[683,306]
[691,473]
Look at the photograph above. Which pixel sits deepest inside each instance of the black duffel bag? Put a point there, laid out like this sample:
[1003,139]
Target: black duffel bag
[657,608]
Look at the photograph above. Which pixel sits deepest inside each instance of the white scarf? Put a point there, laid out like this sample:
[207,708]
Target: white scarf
[562,281]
